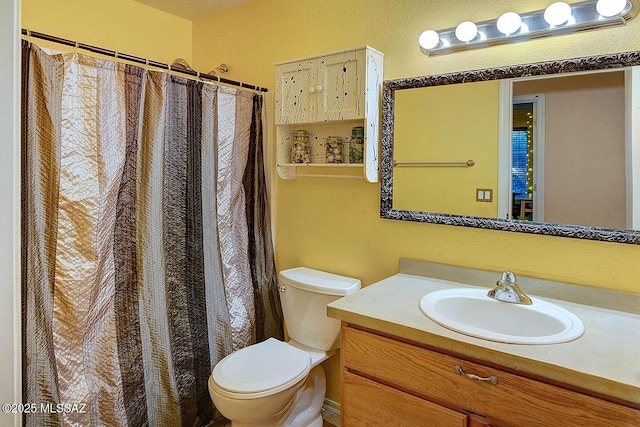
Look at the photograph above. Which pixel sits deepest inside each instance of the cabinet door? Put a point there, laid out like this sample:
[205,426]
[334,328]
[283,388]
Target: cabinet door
[341,78]
[296,97]
[511,401]
[367,403]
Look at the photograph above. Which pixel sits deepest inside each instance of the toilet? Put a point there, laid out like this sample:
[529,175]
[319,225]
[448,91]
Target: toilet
[275,383]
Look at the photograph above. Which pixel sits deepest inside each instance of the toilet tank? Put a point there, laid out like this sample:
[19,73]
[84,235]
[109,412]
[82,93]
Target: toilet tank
[304,295]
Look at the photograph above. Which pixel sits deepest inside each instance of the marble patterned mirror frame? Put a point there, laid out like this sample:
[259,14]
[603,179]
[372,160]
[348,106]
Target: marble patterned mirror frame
[620,60]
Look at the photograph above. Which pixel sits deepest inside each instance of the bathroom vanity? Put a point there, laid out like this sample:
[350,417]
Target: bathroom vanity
[400,368]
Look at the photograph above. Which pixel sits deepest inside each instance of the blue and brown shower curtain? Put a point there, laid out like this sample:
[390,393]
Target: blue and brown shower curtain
[147,253]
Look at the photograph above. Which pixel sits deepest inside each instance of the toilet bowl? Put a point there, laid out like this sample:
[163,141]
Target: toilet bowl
[256,385]
[275,383]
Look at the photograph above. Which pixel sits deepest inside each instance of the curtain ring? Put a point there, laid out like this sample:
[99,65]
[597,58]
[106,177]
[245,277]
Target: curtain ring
[28,37]
[146,60]
[77,45]
[198,74]
[116,55]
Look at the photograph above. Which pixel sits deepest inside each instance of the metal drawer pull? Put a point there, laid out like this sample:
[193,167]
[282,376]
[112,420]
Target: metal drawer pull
[492,379]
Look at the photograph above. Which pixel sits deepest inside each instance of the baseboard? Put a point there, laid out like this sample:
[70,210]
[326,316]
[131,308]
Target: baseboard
[331,412]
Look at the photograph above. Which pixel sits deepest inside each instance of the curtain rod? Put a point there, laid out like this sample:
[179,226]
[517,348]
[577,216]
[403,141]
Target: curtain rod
[139,60]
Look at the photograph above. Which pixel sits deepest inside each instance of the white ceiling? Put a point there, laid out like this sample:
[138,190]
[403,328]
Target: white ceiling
[192,9]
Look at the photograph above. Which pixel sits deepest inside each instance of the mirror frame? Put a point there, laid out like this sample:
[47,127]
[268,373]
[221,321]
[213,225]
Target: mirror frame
[591,63]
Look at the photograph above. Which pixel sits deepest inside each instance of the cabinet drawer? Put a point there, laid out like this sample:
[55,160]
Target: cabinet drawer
[512,401]
[367,403]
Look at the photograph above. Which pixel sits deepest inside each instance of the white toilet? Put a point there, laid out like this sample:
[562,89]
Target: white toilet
[274,383]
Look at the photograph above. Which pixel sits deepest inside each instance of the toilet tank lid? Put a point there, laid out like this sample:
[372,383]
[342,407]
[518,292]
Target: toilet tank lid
[319,281]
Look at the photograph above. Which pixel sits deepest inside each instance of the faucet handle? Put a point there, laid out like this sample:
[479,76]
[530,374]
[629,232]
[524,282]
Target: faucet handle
[508,277]
[507,290]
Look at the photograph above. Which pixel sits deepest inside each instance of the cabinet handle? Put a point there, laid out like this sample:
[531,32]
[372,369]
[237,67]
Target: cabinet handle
[492,379]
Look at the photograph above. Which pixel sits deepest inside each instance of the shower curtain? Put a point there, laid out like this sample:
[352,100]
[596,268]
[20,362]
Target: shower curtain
[147,252]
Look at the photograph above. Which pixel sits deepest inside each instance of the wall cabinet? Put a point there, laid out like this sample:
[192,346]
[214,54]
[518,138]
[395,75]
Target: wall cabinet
[328,95]
[321,89]
[391,382]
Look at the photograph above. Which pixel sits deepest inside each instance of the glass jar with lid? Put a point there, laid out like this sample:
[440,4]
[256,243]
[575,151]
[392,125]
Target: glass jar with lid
[301,148]
[356,145]
[335,149]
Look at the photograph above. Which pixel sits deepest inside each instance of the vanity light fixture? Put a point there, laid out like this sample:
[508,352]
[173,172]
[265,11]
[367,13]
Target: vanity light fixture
[509,23]
[466,31]
[557,13]
[611,7]
[429,39]
[559,18]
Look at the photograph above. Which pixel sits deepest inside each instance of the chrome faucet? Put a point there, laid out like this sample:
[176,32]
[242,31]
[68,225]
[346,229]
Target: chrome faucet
[507,290]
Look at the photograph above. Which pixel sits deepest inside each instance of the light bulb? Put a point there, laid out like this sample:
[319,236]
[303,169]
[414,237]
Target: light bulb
[429,39]
[466,31]
[557,13]
[609,8]
[509,23]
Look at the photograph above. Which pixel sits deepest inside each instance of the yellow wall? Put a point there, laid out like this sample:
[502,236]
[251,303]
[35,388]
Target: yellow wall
[310,212]
[121,25]
[334,224]
[427,128]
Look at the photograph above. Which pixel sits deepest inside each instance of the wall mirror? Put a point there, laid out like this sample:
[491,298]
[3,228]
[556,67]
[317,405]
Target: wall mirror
[547,148]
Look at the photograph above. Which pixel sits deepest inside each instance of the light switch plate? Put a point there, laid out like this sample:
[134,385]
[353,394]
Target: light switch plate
[484,195]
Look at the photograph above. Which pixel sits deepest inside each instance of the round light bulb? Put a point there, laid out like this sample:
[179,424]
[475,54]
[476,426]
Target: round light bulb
[609,8]
[429,39]
[466,31]
[509,23]
[557,13]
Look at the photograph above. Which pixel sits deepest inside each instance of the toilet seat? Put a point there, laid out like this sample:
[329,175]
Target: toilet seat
[260,370]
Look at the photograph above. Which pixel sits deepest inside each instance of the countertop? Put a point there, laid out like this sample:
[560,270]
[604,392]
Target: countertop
[605,360]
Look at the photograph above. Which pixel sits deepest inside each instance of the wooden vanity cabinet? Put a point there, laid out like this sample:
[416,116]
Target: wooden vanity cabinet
[388,382]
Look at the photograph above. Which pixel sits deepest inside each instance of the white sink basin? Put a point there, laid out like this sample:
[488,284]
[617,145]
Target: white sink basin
[471,312]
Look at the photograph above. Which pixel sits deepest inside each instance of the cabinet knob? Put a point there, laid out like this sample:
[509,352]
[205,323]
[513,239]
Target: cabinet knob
[312,89]
[319,88]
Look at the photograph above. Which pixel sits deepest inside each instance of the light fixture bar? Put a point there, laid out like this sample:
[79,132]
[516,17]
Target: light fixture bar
[584,16]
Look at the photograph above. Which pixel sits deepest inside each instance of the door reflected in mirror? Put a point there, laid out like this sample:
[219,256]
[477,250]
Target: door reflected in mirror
[576,164]
[524,153]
